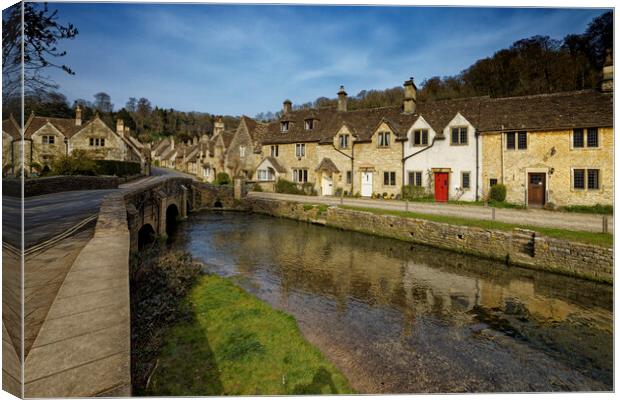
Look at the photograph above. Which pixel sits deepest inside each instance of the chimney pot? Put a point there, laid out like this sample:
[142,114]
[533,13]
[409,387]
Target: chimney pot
[342,99]
[120,127]
[287,106]
[607,85]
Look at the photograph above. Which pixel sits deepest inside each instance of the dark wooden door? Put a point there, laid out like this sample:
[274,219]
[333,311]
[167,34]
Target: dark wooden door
[536,189]
[441,186]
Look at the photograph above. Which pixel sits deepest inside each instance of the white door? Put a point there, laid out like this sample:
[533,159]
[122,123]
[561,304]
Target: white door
[326,185]
[366,184]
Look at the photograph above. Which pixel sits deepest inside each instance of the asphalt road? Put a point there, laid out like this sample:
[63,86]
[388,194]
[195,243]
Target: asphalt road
[49,215]
[543,218]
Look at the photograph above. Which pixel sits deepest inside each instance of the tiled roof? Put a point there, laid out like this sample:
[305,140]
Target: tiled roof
[161,147]
[66,126]
[276,164]
[10,126]
[327,165]
[550,111]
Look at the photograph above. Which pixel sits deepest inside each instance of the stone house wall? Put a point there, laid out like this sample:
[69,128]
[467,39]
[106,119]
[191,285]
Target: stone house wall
[550,152]
[382,159]
[45,153]
[342,162]
[114,149]
[236,163]
[290,161]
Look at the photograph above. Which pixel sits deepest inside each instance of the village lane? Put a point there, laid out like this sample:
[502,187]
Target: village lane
[542,218]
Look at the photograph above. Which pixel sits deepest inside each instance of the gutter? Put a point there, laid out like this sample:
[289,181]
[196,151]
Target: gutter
[351,157]
[476,135]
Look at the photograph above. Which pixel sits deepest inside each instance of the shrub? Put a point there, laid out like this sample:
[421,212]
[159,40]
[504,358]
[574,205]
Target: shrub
[222,178]
[257,188]
[308,188]
[285,186]
[498,193]
[384,195]
[415,193]
[338,192]
[595,209]
[78,163]
[118,168]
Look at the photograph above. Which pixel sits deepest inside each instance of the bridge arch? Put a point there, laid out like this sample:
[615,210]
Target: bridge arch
[146,236]
[172,213]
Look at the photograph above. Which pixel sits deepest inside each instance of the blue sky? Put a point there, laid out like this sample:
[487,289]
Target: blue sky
[240,59]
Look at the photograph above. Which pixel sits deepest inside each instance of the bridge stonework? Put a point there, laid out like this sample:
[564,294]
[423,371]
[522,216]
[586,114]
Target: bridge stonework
[209,196]
[149,206]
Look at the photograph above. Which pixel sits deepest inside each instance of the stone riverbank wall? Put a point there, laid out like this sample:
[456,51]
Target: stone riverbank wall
[516,247]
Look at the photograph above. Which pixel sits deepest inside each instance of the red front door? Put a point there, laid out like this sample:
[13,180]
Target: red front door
[441,186]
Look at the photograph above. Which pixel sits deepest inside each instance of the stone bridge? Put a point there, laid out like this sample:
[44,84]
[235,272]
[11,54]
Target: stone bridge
[83,347]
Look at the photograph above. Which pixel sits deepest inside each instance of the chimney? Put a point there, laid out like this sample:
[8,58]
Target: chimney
[218,126]
[287,106]
[120,127]
[342,100]
[78,116]
[607,85]
[411,97]
[172,142]
[126,131]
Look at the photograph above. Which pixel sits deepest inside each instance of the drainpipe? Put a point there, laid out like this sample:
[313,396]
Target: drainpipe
[476,135]
[348,156]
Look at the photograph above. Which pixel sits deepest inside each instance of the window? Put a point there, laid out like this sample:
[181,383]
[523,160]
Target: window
[207,172]
[389,178]
[465,181]
[265,175]
[579,179]
[420,137]
[384,139]
[344,141]
[284,126]
[510,140]
[300,149]
[349,177]
[492,182]
[309,124]
[592,137]
[415,178]
[275,151]
[578,138]
[97,142]
[48,139]
[241,151]
[522,142]
[459,136]
[593,179]
[300,175]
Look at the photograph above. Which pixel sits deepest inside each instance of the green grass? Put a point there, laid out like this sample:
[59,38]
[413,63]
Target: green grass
[595,209]
[239,345]
[597,238]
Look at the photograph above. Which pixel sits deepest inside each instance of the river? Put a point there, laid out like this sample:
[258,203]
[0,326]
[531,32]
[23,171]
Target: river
[401,318]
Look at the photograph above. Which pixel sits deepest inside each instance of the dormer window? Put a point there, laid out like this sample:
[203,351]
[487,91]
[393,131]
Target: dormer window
[48,139]
[384,139]
[420,137]
[309,124]
[344,141]
[284,126]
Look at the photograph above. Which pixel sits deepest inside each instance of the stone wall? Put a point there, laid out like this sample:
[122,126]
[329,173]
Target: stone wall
[214,196]
[516,247]
[54,184]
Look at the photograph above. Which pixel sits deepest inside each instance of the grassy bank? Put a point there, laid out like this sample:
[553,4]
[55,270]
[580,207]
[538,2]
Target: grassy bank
[598,238]
[236,344]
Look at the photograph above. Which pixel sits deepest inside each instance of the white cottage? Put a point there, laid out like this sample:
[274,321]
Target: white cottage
[442,153]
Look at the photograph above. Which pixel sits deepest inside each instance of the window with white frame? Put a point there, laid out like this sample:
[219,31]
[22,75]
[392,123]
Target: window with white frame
[384,139]
[309,124]
[300,175]
[265,174]
[284,126]
[206,172]
[48,139]
[275,150]
[343,141]
[241,151]
[300,149]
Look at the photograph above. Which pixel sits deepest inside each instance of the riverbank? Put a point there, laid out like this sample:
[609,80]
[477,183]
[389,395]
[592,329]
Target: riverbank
[514,246]
[235,344]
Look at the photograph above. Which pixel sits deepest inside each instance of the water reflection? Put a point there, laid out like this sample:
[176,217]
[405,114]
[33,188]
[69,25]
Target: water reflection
[401,318]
